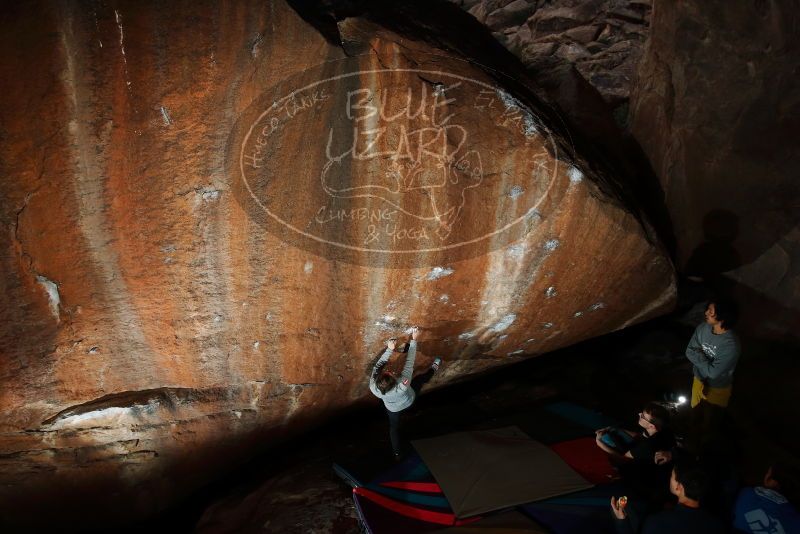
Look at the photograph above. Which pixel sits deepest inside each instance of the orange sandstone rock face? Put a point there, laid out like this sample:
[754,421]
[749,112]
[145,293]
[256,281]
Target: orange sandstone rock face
[214,220]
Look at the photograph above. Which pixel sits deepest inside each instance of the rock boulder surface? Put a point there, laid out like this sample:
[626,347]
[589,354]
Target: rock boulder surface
[215,215]
[602,39]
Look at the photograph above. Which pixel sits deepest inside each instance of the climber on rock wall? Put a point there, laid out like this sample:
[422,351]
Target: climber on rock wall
[398,393]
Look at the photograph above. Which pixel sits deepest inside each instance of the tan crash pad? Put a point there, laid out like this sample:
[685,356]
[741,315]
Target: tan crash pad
[482,471]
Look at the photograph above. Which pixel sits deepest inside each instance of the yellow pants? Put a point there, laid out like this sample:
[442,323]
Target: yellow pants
[716,396]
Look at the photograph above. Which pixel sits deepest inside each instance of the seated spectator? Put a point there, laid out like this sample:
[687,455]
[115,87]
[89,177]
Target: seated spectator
[636,459]
[688,482]
[625,446]
[764,510]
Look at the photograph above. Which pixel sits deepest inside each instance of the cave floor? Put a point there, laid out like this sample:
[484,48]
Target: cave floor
[292,488]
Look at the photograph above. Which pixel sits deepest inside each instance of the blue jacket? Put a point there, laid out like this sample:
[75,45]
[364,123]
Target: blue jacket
[764,511]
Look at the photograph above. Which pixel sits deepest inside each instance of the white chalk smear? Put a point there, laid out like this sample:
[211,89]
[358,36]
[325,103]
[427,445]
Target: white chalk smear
[114,411]
[165,116]
[551,244]
[53,296]
[517,250]
[504,323]
[388,323]
[118,18]
[439,272]
[514,106]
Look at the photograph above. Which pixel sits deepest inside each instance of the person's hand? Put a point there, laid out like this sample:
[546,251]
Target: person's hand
[663,457]
[602,431]
[414,333]
[618,507]
[391,344]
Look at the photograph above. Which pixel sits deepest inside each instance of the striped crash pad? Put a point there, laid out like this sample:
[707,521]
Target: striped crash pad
[406,497]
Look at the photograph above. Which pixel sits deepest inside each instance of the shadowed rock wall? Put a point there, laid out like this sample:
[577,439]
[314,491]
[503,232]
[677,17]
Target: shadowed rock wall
[602,39]
[213,218]
[709,92]
[716,107]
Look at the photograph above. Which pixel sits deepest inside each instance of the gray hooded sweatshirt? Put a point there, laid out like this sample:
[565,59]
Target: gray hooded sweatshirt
[714,356]
[402,395]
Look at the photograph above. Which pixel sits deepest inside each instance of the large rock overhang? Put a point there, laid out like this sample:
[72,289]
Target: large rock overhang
[218,222]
